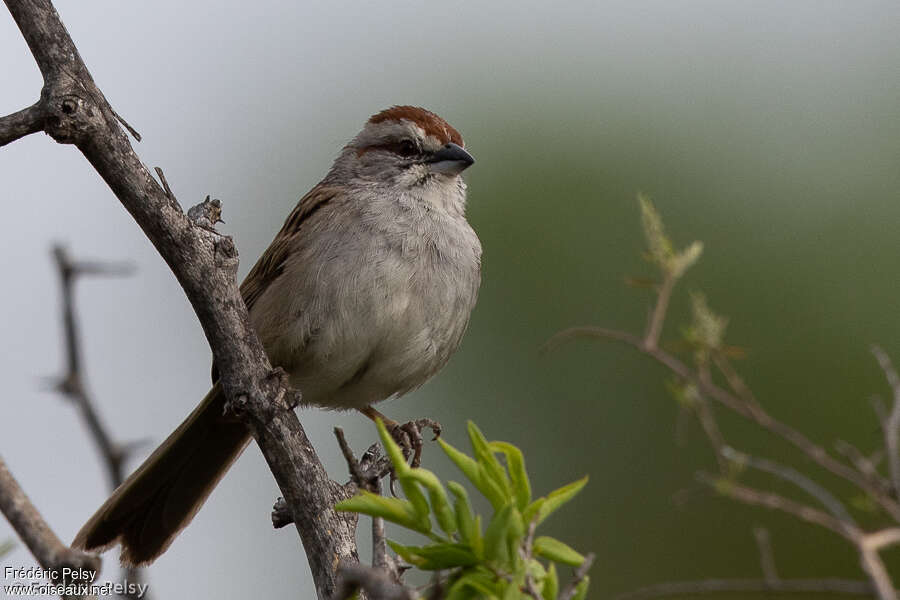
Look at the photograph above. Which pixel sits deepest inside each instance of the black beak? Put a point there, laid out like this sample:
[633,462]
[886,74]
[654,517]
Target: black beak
[452,159]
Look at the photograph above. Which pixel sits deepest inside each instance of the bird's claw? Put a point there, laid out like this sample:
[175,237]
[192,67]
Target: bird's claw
[409,437]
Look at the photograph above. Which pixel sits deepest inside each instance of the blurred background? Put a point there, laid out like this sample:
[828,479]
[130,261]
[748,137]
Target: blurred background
[768,130]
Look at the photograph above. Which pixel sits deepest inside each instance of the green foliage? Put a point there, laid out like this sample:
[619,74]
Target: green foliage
[492,562]
[6,547]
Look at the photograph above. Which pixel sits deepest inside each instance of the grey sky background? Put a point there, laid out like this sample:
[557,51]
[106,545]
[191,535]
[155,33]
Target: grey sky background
[249,102]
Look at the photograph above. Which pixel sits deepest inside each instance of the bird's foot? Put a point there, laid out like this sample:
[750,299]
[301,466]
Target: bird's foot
[407,435]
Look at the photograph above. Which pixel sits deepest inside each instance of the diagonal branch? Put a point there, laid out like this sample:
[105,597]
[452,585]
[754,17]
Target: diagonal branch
[205,264]
[826,498]
[755,497]
[752,411]
[891,424]
[30,526]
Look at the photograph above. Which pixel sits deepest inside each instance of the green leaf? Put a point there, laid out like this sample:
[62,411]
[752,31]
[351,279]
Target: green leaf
[512,591]
[465,520]
[464,462]
[544,507]
[535,569]
[495,546]
[485,457]
[414,495]
[581,589]
[446,518]
[491,488]
[514,535]
[481,583]
[550,589]
[476,474]
[436,556]
[554,549]
[394,510]
[478,544]
[516,465]
[393,450]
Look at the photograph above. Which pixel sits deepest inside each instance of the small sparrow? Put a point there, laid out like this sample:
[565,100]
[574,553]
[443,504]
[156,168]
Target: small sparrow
[363,295]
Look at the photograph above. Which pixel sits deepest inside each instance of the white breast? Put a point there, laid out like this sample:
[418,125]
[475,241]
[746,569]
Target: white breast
[376,305]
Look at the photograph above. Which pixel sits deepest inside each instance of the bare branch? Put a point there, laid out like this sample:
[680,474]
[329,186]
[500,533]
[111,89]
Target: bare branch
[19,124]
[125,124]
[72,384]
[527,553]
[891,424]
[755,497]
[766,556]
[568,592]
[165,184]
[366,474]
[881,580]
[658,316]
[881,539]
[867,465]
[752,411]
[205,263]
[31,528]
[832,504]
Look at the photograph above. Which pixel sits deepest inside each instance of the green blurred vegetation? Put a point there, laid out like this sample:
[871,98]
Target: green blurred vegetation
[798,220]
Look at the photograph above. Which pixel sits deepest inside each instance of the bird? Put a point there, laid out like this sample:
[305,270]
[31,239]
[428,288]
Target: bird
[363,295]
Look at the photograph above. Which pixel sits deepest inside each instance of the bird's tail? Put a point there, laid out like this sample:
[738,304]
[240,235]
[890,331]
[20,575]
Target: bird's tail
[157,501]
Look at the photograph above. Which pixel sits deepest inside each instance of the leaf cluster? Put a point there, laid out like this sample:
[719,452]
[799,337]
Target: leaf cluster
[499,558]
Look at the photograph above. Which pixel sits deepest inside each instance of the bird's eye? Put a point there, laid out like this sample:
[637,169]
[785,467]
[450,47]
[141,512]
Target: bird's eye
[407,148]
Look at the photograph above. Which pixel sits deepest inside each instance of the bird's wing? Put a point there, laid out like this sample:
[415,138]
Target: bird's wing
[271,264]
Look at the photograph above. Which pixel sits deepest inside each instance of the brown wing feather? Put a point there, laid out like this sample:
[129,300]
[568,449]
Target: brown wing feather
[271,264]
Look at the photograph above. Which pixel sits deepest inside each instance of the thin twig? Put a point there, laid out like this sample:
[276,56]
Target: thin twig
[766,556]
[891,424]
[658,316]
[526,551]
[125,124]
[755,497]
[165,183]
[826,498]
[751,411]
[72,384]
[568,592]
[867,465]
[32,529]
[711,428]
[365,474]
